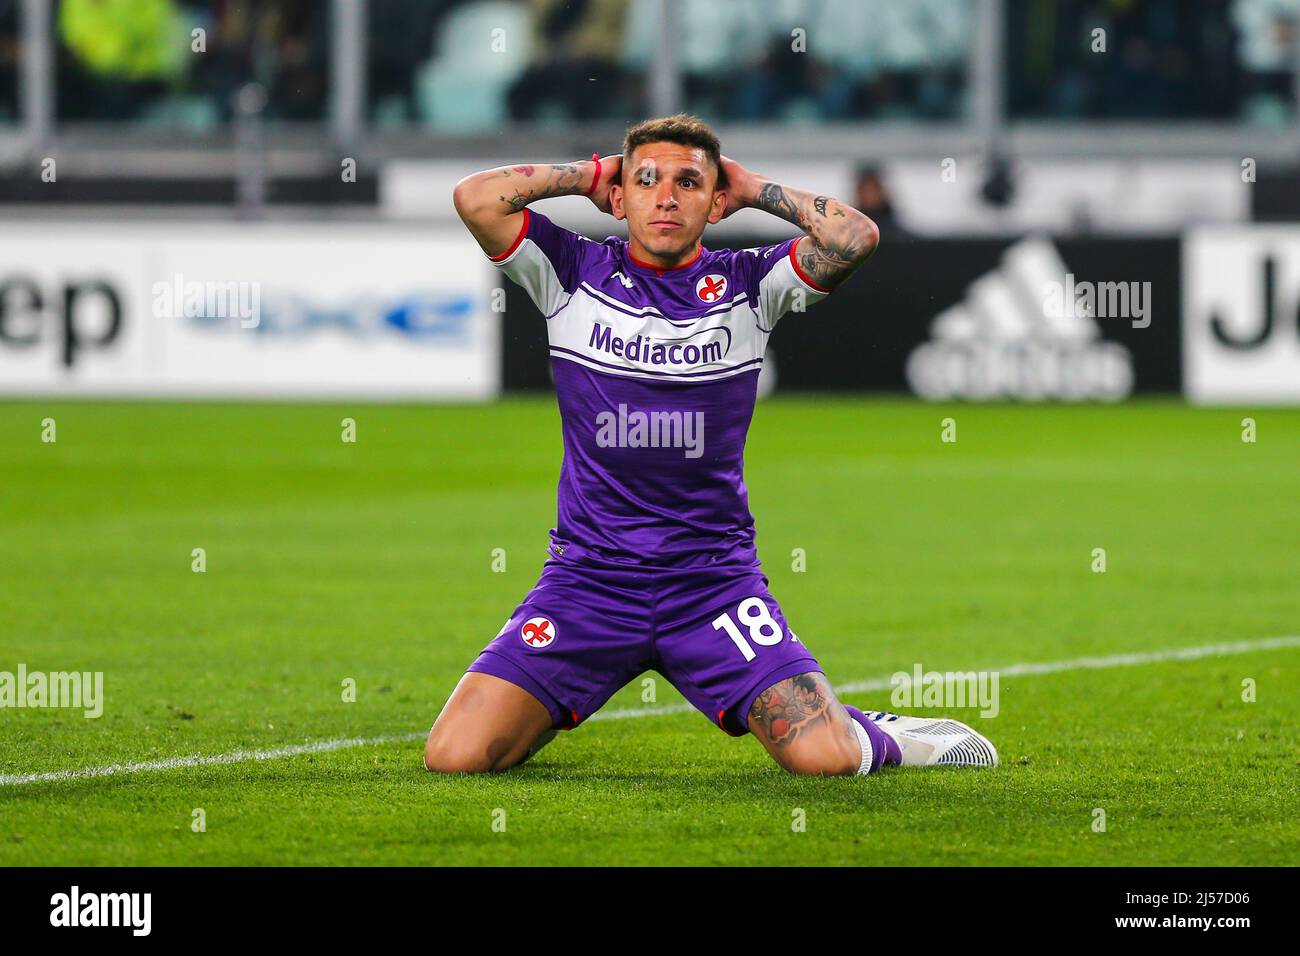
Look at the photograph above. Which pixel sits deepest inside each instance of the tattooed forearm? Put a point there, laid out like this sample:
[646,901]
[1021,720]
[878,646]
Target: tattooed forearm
[829,265]
[772,198]
[520,185]
[842,237]
[792,707]
[491,202]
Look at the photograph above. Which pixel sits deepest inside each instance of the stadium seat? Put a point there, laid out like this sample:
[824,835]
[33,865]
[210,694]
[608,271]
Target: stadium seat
[463,86]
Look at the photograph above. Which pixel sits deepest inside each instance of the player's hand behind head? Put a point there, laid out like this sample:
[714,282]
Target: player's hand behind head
[742,186]
[610,168]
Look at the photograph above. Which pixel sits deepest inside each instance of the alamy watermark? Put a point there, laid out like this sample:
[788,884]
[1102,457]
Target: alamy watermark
[1102,300]
[77,689]
[75,908]
[193,299]
[656,429]
[947,689]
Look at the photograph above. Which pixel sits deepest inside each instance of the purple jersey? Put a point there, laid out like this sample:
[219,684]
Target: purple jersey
[656,374]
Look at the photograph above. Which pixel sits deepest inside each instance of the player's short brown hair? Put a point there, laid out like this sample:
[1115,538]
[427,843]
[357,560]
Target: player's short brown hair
[680,128]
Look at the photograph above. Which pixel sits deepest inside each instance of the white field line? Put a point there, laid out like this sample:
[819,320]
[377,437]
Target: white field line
[855,687]
[200,760]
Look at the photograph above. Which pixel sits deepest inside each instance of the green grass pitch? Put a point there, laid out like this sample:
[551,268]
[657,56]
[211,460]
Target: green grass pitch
[373,561]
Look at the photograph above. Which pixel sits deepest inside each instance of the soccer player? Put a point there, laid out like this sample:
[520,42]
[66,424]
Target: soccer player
[656,344]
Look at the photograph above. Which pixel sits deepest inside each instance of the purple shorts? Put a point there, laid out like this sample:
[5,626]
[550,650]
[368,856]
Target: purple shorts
[581,633]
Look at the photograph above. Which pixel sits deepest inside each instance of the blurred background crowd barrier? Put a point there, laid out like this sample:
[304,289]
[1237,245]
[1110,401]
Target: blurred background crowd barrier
[1131,148]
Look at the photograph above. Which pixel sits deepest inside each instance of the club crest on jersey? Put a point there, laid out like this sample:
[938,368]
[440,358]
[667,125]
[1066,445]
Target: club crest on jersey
[711,287]
[538,632]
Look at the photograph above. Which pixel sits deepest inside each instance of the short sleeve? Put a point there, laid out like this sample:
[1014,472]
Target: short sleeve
[545,260]
[778,284]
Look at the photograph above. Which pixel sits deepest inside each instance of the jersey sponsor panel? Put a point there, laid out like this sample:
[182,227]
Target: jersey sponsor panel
[652,346]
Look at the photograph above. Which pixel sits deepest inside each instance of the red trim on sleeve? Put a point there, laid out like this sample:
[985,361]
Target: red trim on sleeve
[799,272]
[514,245]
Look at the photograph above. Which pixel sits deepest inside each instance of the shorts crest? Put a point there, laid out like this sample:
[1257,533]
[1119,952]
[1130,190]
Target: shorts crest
[538,632]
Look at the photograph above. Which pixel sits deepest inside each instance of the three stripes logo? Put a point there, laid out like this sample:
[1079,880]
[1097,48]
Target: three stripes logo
[1003,341]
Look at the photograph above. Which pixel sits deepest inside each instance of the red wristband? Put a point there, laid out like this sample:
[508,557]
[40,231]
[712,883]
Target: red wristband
[595,158]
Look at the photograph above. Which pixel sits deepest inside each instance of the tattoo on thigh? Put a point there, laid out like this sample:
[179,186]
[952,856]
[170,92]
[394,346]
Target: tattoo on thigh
[786,710]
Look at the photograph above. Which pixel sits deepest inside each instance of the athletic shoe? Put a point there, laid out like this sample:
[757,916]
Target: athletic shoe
[936,741]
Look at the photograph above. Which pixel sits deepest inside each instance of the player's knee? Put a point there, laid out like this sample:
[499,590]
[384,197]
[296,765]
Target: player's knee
[444,754]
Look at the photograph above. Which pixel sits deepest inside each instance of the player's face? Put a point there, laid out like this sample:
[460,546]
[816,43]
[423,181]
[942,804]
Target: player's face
[667,196]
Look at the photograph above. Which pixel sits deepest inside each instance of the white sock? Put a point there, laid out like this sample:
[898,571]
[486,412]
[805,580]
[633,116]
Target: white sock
[864,740]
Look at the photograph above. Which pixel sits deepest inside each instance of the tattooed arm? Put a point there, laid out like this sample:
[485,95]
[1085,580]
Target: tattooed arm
[491,202]
[839,238]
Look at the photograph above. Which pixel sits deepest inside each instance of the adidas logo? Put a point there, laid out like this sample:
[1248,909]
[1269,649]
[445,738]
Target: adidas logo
[1005,341]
